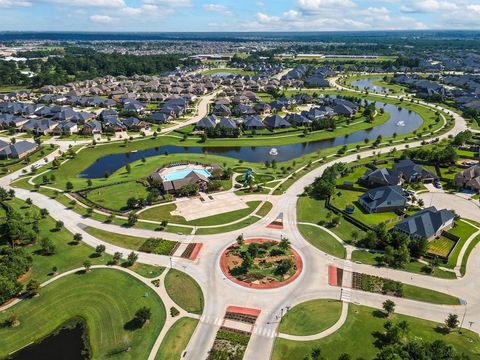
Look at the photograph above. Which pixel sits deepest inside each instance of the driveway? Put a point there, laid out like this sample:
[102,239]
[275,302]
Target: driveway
[467,208]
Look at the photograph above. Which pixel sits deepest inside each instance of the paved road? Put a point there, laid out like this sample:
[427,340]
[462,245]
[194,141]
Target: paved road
[312,283]
[469,209]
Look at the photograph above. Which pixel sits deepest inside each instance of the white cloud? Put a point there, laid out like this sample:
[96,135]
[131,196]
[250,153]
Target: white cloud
[131,11]
[169,3]
[14,3]
[101,19]
[266,19]
[320,5]
[91,3]
[424,6]
[291,14]
[221,9]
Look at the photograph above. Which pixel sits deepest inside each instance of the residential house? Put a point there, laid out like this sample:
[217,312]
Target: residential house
[276,122]
[66,128]
[469,178]
[253,123]
[428,223]
[298,119]
[412,172]
[221,110]
[383,199]
[92,127]
[381,177]
[207,122]
[16,151]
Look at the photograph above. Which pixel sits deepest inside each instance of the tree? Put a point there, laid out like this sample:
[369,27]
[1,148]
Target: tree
[89,183]
[87,264]
[132,219]
[389,307]
[355,234]
[32,288]
[128,168]
[29,202]
[316,354]
[132,258]
[142,316]
[58,225]
[69,186]
[43,213]
[100,249]
[47,246]
[451,322]
[284,243]
[12,320]
[132,202]
[284,267]
[77,238]
[240,240]
[117,257]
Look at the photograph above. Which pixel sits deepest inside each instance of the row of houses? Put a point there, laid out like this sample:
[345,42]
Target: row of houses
[386,194]
[250,120]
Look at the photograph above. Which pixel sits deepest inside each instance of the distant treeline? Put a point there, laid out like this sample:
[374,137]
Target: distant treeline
[83,63]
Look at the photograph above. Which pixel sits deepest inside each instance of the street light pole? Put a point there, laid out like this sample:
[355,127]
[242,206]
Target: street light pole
[171,266]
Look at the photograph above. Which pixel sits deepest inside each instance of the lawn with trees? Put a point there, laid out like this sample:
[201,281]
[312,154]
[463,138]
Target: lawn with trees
[107,300]
[367,332]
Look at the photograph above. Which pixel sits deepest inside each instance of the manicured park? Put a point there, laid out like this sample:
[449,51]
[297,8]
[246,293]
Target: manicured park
[106,300]
[364,324]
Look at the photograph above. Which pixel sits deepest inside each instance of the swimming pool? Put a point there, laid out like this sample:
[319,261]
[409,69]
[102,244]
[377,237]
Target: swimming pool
[180,174]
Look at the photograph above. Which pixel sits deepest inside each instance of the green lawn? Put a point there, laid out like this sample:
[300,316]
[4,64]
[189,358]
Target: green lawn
[416,267]
[264,209]
[427,295]
[223,229]
[162,212]
[323,240]
[12,165]
[127,241]
[473,244]
[441,246]
[344,198]
[67,255]
[105,299]
[356,337]
[115,197]
[184,291]
[176,339]
[311,317]
[314,211]
[463,231]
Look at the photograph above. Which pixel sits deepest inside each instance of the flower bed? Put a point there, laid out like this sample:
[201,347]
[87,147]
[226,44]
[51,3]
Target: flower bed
[261,263]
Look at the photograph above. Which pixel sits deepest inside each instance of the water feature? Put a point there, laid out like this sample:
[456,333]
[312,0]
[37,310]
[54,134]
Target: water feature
[368,84]
[409,121]
[222,74]
[67,344]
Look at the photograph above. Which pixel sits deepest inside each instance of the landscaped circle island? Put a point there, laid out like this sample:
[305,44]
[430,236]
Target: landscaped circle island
[261,263]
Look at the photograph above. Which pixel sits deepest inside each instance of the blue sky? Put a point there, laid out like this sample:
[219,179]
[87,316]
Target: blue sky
[237,15]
